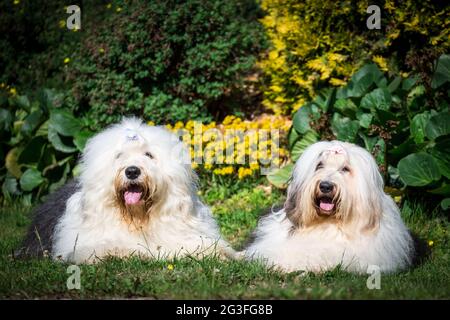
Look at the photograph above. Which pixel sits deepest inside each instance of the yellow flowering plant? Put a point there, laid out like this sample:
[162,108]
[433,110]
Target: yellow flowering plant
[315,44]
[236,147]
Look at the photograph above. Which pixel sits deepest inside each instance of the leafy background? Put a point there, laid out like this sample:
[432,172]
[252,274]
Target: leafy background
[309,69]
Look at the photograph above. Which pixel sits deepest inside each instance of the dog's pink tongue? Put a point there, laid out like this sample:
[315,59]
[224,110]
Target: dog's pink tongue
[327,206]
[132,197]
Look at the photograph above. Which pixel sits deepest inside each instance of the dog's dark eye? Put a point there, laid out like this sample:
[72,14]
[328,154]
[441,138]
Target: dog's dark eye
[319,166]
[148,154]
[345,169]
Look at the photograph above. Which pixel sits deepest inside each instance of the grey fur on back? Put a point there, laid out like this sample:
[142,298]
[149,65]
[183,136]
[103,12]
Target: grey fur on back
[39,238]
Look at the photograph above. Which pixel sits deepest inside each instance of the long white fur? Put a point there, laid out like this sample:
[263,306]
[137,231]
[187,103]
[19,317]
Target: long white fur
[92,227]
[322,246]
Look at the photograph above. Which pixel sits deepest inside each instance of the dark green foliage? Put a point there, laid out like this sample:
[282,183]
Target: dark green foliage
[161,60]
[165,60]
[40,143]
[404,126]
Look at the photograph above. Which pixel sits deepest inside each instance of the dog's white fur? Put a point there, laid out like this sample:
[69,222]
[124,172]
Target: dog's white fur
[93,225]
[365,230]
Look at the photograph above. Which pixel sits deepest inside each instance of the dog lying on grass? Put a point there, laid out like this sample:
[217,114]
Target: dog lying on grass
[136,195]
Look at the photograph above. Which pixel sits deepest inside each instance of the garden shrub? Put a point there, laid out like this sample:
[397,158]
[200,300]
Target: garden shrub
[315,44]
[165,60]
[406,130]
[161,60]
[40,143]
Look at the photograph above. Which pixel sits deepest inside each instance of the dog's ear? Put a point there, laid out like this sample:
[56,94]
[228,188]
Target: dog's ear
[291,206]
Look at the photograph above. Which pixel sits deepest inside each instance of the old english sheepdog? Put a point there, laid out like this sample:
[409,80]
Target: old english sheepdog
[136,194]
[336,214]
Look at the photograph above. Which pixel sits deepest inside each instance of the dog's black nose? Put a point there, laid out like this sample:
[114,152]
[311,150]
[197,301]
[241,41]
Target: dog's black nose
[326,186]
[132,172]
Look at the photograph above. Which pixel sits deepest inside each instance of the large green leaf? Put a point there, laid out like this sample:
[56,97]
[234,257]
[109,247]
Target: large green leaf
[64,122]
[438,125]
[346,107]
[326,99]
[56,141]
[441,154]
[31,122]
[30,179]
[293,136]
[22,102]
[344,128]
[302,118]
[408,83]
[418,169]
[48,99]
[418,125]
[280,177]
[361,82]
[81,138]
[365,119]
[445,204]
[442,73]
[33,150]
[308,139]
[379,98]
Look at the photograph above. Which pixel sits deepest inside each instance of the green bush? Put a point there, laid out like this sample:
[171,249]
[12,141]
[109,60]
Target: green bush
[39,146]
[34,42]
[404,126]
[165,60]
[315,44]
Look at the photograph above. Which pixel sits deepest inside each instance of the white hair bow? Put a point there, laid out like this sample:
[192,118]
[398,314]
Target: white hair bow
[336,150]
[131,135]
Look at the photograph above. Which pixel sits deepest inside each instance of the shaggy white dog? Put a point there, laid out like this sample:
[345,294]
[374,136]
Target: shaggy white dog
[336,214]
[136,195]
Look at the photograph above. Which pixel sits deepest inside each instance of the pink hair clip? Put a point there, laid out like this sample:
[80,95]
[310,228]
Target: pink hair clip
[336,150]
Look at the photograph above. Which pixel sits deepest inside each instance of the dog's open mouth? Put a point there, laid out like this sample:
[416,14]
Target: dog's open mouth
[133,194]
[325,205]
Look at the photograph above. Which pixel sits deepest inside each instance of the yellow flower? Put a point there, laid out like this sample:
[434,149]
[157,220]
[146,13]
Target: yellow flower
[66,60]
[430,243]
[381,62]
[16,2]
[151,123]
[337,82]
[62,23]
[108,6]
[13,91]
[118,9]
[179,125]
[101,50]
[170,267]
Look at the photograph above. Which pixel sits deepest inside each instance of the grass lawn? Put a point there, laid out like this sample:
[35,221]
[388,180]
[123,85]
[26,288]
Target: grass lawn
[237,209]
